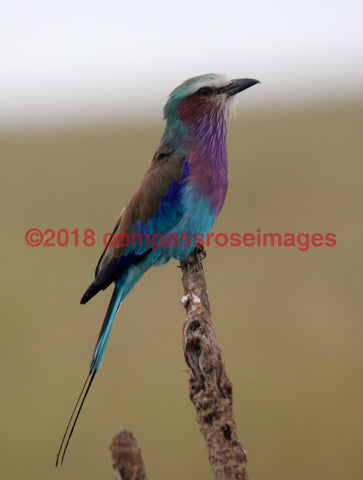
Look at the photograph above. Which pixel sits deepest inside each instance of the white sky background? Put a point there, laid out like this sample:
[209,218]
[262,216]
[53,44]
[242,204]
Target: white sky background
[75,61]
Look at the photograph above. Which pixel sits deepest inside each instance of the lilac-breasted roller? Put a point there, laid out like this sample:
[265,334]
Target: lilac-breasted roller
[182,193]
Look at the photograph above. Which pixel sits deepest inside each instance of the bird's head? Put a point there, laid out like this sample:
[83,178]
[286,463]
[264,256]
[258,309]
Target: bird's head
[201,104]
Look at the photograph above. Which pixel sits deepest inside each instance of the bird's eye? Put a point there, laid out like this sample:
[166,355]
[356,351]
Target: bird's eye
[204,91]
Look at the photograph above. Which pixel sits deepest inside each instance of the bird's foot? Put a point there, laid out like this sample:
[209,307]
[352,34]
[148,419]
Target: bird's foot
[199,251]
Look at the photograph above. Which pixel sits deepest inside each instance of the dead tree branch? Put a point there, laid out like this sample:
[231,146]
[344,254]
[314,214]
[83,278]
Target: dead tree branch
[126,457]
[210,390]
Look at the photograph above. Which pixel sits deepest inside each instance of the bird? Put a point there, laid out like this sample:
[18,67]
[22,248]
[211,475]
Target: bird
[181,194]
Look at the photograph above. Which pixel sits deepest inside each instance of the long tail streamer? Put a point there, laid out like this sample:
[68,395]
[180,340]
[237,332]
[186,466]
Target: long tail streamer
[74,417]
[97,358]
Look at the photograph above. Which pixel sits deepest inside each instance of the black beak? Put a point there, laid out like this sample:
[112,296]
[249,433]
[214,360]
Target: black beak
[238,85]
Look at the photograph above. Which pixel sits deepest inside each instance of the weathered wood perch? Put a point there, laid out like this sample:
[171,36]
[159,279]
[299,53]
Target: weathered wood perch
[210,390]
[126,457]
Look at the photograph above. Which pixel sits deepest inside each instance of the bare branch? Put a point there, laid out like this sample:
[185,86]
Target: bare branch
[210,390]
[126,457]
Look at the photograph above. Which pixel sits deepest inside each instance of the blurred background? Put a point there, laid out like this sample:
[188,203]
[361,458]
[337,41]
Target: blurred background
[82,87]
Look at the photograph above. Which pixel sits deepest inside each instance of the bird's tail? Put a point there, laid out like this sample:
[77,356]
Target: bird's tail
[113,307]
[115,302]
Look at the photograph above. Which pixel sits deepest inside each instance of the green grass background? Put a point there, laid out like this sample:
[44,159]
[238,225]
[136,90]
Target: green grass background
[288,322]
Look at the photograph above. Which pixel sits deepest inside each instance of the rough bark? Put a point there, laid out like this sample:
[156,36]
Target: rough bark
[126,457]
[210,390]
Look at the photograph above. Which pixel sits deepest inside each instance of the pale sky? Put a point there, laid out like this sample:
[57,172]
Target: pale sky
[91,61]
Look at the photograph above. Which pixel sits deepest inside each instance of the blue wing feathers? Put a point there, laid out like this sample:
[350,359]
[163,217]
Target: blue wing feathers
[139,256]
[170,212]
